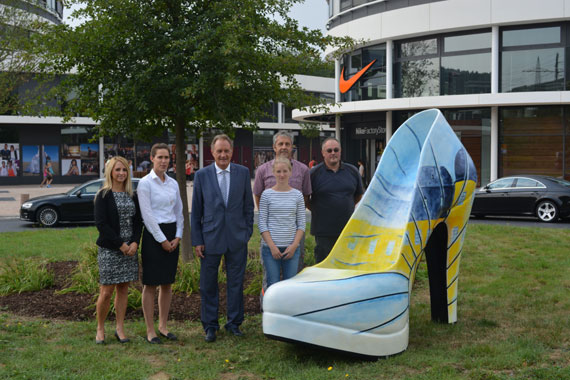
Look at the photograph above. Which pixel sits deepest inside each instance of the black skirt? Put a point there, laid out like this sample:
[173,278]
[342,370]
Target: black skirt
[158,265]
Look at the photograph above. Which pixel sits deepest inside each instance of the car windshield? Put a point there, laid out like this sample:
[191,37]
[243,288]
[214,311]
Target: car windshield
[560,181]
[500,183]
[93,187]
[86,188]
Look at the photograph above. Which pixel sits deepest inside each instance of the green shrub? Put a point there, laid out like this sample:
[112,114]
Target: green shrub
[24,275]
[187,277]
[85,277]
[309,249]
[254,268]
[254,288]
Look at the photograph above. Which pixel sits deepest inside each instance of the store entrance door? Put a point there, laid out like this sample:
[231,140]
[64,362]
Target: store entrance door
[375,148]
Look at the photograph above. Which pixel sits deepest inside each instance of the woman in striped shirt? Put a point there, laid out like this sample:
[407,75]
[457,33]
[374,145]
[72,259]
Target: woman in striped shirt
[281,224]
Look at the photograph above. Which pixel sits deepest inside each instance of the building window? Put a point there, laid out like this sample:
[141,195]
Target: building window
[473,128]
[531,141]
[372,84]
[51,5]
[271,113]
[417,68]
[345,4]
[466,64]
[532,59]
[451,64]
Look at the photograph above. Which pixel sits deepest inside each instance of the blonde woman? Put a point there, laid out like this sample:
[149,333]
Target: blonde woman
[118,219]
[281,224]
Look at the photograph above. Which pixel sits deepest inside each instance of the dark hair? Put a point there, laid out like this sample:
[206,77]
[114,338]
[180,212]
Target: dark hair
[158,146]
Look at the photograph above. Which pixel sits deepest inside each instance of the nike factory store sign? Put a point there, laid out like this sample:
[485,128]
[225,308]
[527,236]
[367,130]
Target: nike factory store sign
[368,132]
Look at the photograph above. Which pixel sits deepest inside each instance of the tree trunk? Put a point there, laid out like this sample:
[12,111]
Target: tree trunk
[185,244]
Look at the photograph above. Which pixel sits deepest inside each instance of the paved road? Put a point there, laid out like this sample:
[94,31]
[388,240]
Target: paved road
[10,224]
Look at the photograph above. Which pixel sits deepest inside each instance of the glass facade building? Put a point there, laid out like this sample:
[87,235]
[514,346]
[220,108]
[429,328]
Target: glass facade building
[499,73]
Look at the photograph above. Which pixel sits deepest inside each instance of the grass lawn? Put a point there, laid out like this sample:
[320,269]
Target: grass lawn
[513,309]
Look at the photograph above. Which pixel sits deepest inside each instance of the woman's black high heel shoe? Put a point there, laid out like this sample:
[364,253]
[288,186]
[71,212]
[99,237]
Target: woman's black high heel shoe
[122,341]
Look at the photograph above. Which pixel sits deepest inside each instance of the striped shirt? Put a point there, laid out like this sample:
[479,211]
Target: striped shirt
[281,213]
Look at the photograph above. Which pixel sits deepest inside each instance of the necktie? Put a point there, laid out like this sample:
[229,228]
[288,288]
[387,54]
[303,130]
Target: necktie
[224,186]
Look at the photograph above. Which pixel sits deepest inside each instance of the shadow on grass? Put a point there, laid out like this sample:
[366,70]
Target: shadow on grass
[322,356]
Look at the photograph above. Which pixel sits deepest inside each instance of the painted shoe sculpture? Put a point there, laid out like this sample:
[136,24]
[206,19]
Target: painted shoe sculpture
[357,300]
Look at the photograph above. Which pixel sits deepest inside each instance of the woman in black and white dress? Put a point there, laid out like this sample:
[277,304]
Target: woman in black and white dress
[119,223]
[161,209]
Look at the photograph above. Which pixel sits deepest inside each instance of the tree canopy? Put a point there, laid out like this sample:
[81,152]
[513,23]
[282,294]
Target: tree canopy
[140,67]
[16,62]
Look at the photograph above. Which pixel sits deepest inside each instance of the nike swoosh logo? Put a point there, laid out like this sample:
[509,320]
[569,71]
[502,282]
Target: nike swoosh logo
[345,85]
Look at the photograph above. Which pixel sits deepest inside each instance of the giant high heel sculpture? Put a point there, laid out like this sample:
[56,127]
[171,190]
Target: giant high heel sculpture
[358,299]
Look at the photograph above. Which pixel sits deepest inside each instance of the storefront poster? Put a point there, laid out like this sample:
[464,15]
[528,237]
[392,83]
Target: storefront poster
[193,156]
[262,155]
[51,154]
[70,151]
[89,151]
[111,150]
[89,167]
[71,166]
[143,163]
[31,160]
[127,151]
[10,159]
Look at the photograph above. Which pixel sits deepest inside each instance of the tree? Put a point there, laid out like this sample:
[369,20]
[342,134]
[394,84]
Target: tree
[310,131]
[16,62]
[141,67]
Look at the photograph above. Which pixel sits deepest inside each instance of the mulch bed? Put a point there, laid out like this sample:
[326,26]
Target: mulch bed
[47,303]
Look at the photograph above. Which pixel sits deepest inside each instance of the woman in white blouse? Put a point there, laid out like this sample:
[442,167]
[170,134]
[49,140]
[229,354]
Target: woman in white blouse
[161,209]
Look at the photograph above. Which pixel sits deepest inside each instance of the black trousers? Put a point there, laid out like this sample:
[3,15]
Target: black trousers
[323,246]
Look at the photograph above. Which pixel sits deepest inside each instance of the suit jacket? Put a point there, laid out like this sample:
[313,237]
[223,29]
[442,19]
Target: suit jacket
[107,222]
[217,227]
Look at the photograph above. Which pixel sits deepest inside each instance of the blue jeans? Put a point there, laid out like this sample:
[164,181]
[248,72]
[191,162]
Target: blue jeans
[274,267]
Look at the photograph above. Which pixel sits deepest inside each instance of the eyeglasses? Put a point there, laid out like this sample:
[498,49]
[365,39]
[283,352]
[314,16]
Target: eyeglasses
[330,150]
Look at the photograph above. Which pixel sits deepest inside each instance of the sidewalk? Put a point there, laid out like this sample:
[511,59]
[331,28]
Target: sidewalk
[10,196]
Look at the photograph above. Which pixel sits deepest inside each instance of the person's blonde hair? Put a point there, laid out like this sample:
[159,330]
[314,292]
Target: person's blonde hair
[108,183]
[282,160]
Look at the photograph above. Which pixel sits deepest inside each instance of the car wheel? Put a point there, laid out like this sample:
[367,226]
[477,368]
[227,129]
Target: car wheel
[547,211]
[48,216]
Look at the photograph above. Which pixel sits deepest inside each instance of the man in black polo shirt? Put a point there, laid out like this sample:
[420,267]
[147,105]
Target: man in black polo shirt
[337,187]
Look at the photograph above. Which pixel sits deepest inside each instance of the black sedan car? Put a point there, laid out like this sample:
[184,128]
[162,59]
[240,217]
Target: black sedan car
[74,206]
[548,198]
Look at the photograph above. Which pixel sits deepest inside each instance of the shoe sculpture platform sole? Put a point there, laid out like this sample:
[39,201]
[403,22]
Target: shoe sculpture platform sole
[358,299]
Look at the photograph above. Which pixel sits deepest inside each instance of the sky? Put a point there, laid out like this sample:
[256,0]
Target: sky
[312,14]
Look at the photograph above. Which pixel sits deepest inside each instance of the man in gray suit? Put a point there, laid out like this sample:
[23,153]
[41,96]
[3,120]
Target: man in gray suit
[221,224]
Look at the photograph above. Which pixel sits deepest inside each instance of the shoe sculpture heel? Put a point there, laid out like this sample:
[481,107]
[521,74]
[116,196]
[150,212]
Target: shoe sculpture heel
[357,300]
